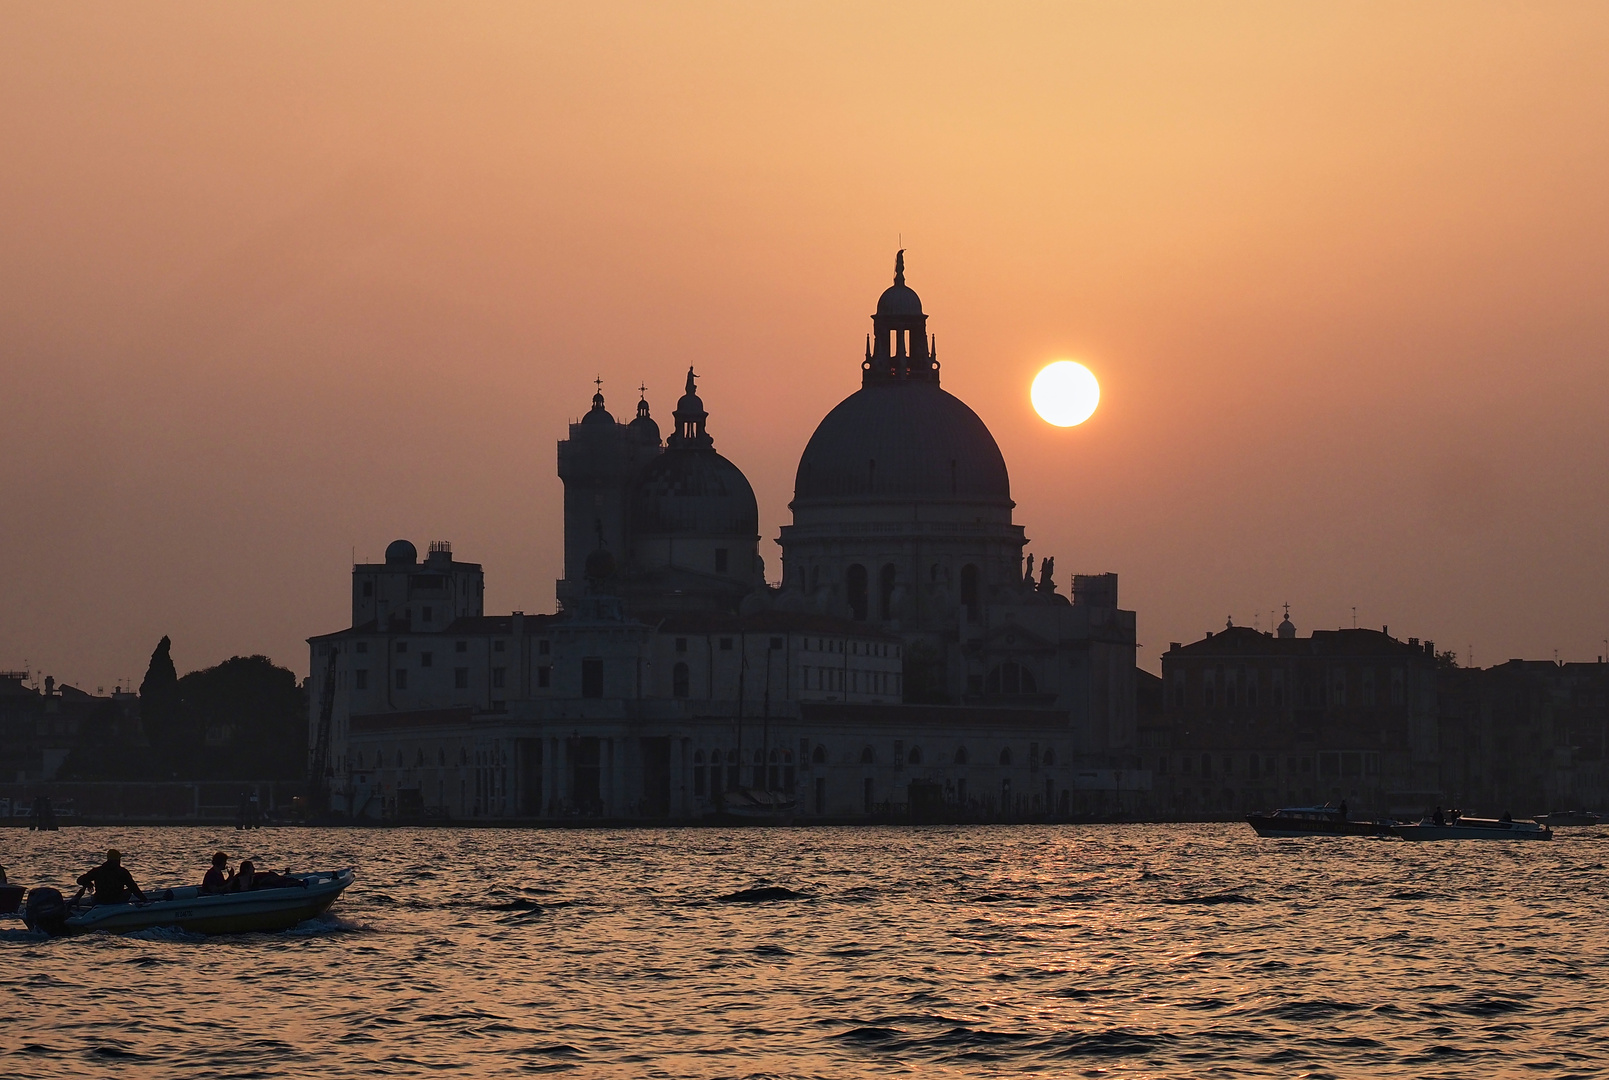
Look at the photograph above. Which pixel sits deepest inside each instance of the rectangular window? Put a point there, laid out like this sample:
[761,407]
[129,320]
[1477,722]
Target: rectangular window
[681,644]
[499,646]
[402,646]
[1397,694]
[776,644]
[402,678]
[726,644]
[592,678]
[720,560]
[426,659]
[368,588]
[460,646]
[360,678]
[363,646]
[543,648]
[499,677]
[460,678]
[429,614]
[1162,766]
[544,676]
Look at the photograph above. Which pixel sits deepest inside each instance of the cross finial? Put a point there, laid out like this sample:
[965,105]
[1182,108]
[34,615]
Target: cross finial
[642,390]
[1287,611]
[599,383]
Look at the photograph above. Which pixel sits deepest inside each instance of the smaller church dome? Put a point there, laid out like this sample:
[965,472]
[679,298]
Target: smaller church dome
[694,491]
[401,551]
[598,414]
[644,427]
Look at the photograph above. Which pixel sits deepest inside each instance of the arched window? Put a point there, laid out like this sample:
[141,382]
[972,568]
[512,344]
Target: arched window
[855,591]
[916,755]
[819,756]
[419,758]
[969,592]
[867,757]
[960,755]
[1010,679]
[698,757]
[1005,756]
[815,578]
[679,681]
[885,593]
[1050,756]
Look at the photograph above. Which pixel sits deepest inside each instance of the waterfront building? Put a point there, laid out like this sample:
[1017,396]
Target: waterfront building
[1254,719]
[909,660]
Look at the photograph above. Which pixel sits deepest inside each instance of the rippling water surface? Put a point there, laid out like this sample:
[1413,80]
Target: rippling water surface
[1114,951]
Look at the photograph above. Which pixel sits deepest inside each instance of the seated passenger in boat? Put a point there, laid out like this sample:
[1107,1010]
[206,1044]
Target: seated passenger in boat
[249,879]
[1437,817]
[1508,817]
[218,876]
[111,881]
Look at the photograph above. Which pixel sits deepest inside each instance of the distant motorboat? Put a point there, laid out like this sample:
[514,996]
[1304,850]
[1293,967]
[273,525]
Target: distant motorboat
[1568,819]
[1314,821]
[1469,828]
[756,806]
[187,908]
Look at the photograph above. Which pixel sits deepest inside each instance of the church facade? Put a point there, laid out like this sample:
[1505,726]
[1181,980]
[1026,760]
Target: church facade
[908,664]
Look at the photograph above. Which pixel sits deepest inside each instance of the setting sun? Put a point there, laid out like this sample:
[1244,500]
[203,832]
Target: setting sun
[1065,393]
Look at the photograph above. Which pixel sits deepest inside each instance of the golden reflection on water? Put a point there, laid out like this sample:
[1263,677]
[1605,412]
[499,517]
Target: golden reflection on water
[1122,951]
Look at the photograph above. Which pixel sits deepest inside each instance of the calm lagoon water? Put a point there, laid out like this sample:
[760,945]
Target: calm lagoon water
[1110,951]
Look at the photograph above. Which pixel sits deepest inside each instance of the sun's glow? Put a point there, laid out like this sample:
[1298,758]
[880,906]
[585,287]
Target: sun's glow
[1065,393]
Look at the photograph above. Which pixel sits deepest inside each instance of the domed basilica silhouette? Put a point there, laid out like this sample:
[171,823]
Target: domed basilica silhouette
[908,665]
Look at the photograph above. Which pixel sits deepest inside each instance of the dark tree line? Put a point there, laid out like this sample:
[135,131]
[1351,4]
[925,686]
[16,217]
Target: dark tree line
[243,719]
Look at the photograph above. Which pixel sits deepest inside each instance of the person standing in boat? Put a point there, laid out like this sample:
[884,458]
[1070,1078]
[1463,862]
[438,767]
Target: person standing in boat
[1437,817]
[218,875]
[111,881]
[1343,809]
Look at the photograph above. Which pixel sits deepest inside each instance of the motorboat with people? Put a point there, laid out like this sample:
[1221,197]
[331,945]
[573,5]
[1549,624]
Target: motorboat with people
[756,806]
[291,899]
[1458,826]
[1568,819]
[1323,820]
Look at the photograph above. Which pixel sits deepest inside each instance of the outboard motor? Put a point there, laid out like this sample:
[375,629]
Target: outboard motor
[46,910]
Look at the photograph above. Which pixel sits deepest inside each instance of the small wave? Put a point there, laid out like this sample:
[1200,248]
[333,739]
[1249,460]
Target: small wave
[1409,894]
[869,1034]
[1209,899]
[1310,1010]
[760,894]
[770,950]
[1115,1042]
[23,935]
[1488,1005]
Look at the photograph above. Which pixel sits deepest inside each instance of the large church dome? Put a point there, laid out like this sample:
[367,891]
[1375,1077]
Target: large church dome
[898,442]
[900,437]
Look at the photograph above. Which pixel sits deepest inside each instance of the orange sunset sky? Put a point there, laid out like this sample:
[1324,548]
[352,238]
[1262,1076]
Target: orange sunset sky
[281,281]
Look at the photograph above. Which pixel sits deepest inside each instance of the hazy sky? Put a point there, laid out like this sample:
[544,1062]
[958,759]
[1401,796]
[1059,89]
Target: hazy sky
[279,281]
